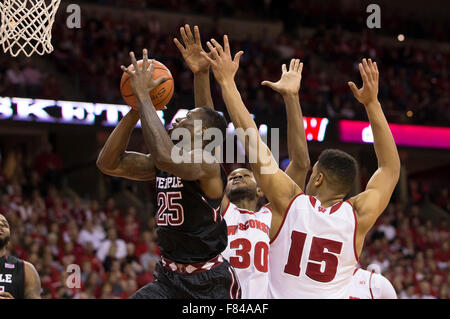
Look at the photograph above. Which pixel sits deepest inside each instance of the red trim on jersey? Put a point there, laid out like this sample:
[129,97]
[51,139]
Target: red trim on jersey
[313,201]
[245,211]
[234,279]
[226,208]
[336,207]
[354,272]
[370,285]
[284,218]
[354,234]
[270,209]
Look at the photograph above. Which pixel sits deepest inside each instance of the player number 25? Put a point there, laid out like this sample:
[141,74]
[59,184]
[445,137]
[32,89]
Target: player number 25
[316,256]
[169,212]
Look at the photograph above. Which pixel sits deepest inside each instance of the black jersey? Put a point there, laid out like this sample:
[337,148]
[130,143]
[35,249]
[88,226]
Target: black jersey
[190,227]
[12,276]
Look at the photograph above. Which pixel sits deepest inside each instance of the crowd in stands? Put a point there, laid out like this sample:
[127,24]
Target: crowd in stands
[53,228]
[310,13]
[414,86]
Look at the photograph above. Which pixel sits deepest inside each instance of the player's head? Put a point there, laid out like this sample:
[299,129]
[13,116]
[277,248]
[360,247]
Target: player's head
[242,184]
[5,232]
[198,120]
[334,170]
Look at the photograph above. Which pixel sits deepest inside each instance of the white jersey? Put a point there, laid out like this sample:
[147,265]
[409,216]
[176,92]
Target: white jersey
[313,254]
[370,285]
[248,248]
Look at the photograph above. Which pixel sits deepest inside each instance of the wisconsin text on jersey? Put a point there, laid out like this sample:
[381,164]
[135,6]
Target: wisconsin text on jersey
[169,182]
[251,223]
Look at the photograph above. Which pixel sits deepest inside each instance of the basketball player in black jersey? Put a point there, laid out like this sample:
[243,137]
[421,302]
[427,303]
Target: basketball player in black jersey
[191,232]
[246,194]
[18,278]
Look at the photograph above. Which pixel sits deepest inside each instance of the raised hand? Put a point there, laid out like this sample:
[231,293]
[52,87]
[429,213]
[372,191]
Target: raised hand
[191,49]
[369,91]
[223,66]
[141,79]
[290,80]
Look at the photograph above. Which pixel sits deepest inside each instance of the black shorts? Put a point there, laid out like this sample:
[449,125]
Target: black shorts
[220,282]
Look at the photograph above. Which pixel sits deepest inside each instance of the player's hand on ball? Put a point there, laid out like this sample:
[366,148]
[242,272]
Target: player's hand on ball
[223,66]
[6,295]
[290,80]
[370,76]
[141,78]
[192,49]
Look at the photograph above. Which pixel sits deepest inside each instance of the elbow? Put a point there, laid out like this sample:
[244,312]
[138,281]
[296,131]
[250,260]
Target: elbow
[102,165]
[163,162]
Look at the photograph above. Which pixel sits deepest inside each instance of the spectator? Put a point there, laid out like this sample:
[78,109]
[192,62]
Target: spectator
[92,234]
[120,250]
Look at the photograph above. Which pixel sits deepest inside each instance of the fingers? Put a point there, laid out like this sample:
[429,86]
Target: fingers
[363,73]
[268,83]
[300,67]
[144,60]
[237,57]
[218,46]
[291,66]
[296,65]
[213,50]
[353,88]
[152,67]
[126,70]
[226,45]
[283,68]
[369,70]
[184,36]
[161,80]
[376,71]
[179,45]
[197,35]
[189,33]
[133,60]
[209,57]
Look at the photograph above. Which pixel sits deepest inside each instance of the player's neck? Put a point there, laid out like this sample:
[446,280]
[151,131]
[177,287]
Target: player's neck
[328,199]
[246,203]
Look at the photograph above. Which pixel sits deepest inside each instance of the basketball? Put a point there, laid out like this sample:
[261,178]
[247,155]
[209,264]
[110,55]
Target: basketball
[160,96]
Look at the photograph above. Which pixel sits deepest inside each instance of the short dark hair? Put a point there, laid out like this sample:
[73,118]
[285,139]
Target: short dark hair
[213,118]
[339,169]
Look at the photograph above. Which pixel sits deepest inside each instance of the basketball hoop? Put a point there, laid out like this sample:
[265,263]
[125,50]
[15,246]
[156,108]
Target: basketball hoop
[26,26]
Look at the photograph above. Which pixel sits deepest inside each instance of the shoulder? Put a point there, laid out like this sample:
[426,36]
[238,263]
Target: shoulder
[29,267]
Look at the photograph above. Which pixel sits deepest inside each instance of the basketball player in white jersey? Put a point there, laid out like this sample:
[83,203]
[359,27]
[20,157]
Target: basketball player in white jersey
[369,284]
[315,240]
[248,221]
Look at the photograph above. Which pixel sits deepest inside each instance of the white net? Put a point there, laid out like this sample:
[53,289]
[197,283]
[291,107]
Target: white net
[26,26]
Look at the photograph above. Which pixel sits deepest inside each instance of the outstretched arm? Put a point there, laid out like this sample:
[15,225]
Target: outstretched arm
[197,63]
[276,185]
[288,86]
[158,141]
[373,201]
[114,160]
